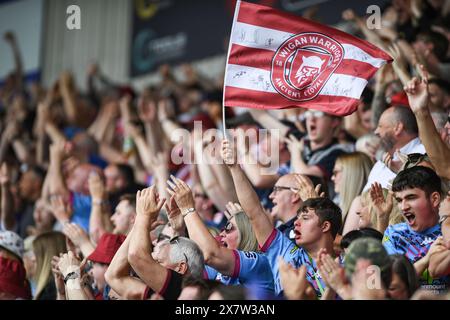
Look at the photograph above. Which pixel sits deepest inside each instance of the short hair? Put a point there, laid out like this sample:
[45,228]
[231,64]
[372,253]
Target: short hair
[406,117]
[126,172]
[186,249]
[326,210]
[441,83]
[402,267]
[439,41]
[204,286]
[236,292]
[419,177]
[131,198]
[349,237]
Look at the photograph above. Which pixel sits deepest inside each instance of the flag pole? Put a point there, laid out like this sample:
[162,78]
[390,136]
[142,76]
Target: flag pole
[236,11]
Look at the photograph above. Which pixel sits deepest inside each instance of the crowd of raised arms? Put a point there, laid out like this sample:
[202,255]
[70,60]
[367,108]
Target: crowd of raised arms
[103,198]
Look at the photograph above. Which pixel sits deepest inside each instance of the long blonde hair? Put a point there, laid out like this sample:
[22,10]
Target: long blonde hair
[356,167]
[248,240]
[45,246]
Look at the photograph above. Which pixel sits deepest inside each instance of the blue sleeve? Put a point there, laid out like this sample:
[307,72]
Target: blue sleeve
[279,245]
[253,269]
[388,241]
[210,273]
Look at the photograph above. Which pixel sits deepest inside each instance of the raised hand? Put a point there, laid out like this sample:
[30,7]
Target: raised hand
[148,203]
[147,111]
[305,188]
[181,192]
[4,174]
[232,209]
[417,91]
[76,234]
[67,263]
[294,145]
[62,210]
[294,283]
[332,274]
[228,154]
[382,206]
[96,187]
[174,213]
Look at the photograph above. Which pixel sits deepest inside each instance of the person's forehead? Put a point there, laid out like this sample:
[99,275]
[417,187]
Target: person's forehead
[409,191]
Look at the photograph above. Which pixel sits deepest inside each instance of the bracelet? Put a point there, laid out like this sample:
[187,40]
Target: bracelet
[99,202]
[187,211]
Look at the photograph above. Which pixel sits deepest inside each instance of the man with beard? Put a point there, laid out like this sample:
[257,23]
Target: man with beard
[397,130]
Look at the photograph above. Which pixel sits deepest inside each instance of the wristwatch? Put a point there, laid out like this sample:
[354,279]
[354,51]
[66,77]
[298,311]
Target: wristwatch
[187,211]
[71,275]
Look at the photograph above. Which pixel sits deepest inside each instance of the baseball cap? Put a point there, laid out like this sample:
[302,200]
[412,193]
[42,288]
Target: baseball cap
[12,242]
[107,246]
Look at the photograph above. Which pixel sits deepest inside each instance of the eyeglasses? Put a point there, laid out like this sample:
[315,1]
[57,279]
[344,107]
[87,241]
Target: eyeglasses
[313,114]
[279,188]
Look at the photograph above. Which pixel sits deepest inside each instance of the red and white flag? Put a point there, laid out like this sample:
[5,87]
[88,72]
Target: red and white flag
[278,60]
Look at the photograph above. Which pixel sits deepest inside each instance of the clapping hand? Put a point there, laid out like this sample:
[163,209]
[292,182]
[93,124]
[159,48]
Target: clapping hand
[148,203]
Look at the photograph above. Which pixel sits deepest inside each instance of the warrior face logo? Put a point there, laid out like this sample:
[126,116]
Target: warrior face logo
[303,63]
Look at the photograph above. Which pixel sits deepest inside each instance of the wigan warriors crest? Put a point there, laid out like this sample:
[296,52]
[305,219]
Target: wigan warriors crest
[303,63]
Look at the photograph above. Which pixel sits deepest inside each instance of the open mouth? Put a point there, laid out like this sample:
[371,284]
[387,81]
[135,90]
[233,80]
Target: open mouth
[224,244]
[312,128]
[297,234]
[410,217]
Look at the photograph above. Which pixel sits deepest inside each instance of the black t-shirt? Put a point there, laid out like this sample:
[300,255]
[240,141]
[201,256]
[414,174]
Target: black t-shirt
[171,289]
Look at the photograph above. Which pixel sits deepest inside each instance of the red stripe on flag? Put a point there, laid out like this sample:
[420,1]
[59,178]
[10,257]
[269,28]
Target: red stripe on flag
[236,97]
[251,57]
[262,59]
[267,17]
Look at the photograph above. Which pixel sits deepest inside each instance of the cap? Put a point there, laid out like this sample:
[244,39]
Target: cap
[12,242]
[366,248]
[107,246]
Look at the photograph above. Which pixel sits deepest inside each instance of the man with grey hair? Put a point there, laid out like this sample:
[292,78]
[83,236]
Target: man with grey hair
[397,130]
[160,271]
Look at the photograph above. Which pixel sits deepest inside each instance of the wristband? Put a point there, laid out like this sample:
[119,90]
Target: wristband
[99,202]
[187,211]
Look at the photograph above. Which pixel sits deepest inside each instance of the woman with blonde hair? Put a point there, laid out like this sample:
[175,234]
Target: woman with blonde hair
[376,208]
[231,258]
[350,175]
[45,246]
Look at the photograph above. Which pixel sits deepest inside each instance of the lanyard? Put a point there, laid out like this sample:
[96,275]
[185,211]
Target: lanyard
[319,285]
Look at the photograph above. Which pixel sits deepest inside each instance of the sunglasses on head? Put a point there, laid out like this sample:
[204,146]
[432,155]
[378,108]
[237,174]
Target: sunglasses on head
[414,159]
[228,227]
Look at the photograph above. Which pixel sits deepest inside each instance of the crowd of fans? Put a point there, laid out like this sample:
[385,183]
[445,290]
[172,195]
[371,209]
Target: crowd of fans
[94,205]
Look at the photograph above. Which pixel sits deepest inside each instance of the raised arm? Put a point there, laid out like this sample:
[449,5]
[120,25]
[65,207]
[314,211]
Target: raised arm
[140,247]
[268,121]
[220,258]
[7,202]
[437,150]
[118,274]
[11,39]
[246,195]
[98,225]
[219,188]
